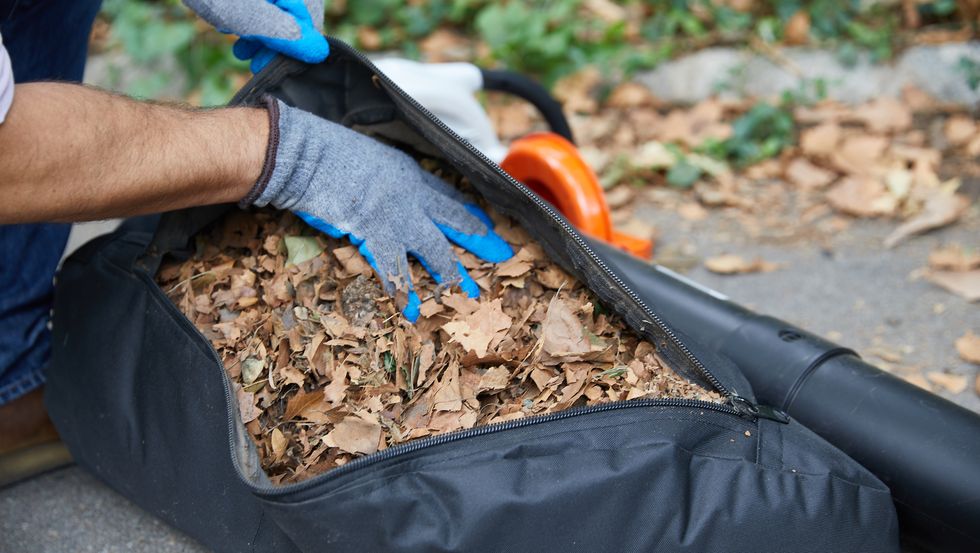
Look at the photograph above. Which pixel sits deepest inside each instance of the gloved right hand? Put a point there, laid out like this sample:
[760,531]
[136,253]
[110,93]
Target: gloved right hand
[265,27]
[346,184]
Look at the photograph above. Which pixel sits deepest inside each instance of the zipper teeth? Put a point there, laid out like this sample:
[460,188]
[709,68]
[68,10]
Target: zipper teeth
[694,361]
[441,439]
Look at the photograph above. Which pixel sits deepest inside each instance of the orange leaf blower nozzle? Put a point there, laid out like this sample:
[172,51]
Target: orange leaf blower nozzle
[552,167]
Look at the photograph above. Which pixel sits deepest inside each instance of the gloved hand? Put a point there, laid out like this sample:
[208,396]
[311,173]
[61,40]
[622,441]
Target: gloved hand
[265,27]
[344,183]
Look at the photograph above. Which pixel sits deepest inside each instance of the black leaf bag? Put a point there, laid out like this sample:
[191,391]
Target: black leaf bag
[142,400]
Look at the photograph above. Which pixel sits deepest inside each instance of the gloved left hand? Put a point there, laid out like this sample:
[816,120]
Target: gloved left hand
[267,27]
[346,184]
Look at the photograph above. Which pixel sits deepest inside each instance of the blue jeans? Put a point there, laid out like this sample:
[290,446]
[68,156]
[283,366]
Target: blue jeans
[46,40]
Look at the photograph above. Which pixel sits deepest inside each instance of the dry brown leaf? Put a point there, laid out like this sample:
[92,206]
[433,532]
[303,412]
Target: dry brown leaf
[300,402]
[797,29]
[553,277]
[246,404]
[860,154]
[562,333]
[861,197]
[512,119]
[575,90]
[430,307]
[821,140]
[355,435]
[352,261]
[476,331]
[631,95]
[448,396]
[885,114]
[952,383]
[517,265]
[959,130]
[335,392]
[278,441]
[496,378]
[940,210]
[918,380]
[962,283]
[730,264]
[461,303]
[808,176]
[954,258]
[541,377]
[692,211]
[443,45]
[968,346]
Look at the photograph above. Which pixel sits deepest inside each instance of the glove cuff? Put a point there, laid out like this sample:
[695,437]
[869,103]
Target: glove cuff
[269,166]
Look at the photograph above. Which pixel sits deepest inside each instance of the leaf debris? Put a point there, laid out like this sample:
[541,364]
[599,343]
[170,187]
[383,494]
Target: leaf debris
[325,369]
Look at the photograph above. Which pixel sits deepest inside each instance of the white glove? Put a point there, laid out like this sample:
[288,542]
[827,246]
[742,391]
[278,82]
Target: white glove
[447,90]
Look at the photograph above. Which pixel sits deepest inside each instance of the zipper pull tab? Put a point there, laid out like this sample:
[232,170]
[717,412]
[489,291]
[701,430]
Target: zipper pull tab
[749,410]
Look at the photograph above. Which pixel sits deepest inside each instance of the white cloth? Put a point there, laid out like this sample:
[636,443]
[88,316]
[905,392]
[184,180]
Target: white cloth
[6,82]
[447,89]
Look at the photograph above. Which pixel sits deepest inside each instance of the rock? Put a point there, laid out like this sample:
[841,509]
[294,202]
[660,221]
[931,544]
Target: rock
[932,68]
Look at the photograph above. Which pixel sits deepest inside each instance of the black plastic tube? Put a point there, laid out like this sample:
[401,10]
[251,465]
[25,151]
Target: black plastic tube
[925,448]
[527,89]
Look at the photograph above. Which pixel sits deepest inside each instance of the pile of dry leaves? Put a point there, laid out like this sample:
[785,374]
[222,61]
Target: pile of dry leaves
[326,369]
[899,158]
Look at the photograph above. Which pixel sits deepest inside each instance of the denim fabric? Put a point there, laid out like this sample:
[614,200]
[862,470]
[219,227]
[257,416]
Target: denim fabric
[46,40]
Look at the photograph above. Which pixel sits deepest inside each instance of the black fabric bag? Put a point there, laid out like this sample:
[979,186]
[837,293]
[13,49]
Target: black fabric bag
[142,400]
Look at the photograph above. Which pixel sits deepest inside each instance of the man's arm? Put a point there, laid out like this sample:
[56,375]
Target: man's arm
[71,153]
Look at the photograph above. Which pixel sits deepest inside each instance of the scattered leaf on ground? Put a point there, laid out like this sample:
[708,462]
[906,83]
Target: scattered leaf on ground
[968,346]
[954,258]
[965,284]
[952,383]
[861,197]
[940,210]
[730,264]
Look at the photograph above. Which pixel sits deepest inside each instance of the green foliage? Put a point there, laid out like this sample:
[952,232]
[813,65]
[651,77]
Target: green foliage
[683,174]
[971,70]
[544,38]
[157,33]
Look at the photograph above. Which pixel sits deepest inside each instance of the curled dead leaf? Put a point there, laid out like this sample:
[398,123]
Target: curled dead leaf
[968,346]
[952,383]
[940,210]
[962,283]
[861,197]
[730,264]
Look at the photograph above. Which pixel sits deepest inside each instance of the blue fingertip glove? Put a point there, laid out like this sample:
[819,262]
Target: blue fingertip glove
[268,27]
[348,185]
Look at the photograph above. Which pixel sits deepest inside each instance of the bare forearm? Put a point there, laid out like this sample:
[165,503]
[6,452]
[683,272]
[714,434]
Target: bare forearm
[72,153]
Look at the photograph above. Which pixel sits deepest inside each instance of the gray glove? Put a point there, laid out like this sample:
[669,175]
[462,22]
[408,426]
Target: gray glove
[344,183]
[290,27]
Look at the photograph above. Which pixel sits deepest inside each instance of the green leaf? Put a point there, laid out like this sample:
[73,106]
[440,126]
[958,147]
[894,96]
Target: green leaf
[683,174]
[302,248]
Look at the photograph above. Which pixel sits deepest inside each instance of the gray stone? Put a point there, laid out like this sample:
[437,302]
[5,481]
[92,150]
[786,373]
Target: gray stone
[734,72]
